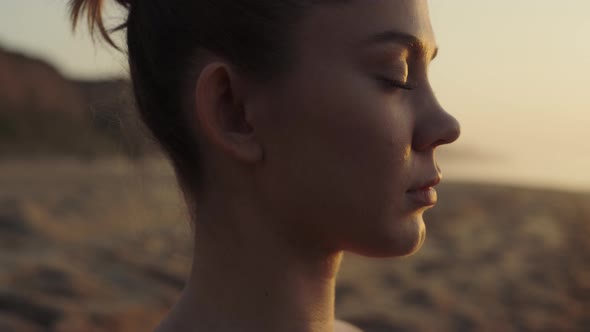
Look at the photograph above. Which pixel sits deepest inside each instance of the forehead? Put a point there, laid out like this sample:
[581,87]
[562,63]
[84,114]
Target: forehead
[347,24]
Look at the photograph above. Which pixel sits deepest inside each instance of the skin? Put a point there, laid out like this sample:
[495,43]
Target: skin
[312,164]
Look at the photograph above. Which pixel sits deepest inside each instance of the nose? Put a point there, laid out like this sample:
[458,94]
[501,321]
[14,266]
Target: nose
[434,126]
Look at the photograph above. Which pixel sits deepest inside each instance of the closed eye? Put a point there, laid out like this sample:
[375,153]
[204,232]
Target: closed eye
[395,84]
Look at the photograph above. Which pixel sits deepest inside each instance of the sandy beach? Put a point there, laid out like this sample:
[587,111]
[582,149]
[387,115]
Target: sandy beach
[104,246]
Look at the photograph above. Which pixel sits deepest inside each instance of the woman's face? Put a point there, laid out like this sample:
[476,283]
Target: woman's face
[343,145]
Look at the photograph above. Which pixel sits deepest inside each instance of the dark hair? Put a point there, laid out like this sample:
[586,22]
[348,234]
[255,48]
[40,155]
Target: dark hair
[164,38]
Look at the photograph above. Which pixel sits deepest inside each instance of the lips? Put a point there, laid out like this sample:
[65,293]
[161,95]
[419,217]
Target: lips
[426,184]
[424,195]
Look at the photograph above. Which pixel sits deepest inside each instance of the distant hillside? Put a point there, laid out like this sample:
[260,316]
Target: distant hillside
[26,82]
[43,112]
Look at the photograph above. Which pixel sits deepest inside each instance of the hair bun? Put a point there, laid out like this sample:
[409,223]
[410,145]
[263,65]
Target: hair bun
[125,3]
[93,10]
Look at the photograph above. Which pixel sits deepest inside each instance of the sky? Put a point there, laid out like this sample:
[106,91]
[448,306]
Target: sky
[516,73]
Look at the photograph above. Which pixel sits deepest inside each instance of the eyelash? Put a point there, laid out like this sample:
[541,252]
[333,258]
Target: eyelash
[393,84]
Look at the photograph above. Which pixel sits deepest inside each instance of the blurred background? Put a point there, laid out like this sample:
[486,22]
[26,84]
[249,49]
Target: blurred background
[94,235]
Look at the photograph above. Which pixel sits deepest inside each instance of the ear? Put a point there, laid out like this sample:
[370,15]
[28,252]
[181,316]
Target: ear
[221,114]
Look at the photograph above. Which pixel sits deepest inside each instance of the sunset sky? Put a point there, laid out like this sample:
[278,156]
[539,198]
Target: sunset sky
[515,73]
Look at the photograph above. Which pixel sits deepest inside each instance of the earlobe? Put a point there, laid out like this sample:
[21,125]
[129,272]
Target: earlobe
[246,148]
[220,113]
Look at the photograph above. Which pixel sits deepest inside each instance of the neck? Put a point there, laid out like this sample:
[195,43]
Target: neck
[250,280]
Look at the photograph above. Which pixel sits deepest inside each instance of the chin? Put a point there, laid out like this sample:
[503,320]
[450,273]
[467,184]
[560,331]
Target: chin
[402,238]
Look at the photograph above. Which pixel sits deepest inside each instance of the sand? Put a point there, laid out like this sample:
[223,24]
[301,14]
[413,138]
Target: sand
[104,246]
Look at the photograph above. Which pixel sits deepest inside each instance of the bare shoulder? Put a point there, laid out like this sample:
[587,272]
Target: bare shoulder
[342,326]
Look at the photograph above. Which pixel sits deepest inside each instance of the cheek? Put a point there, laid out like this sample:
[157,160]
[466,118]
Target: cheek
[340,160]
[365,158]
[365,145]
[363,133]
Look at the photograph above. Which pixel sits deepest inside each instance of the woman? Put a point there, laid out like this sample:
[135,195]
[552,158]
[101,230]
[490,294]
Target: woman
[298,129]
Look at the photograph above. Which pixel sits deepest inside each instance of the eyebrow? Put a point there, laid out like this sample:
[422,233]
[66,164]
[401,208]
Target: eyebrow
[395,36]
